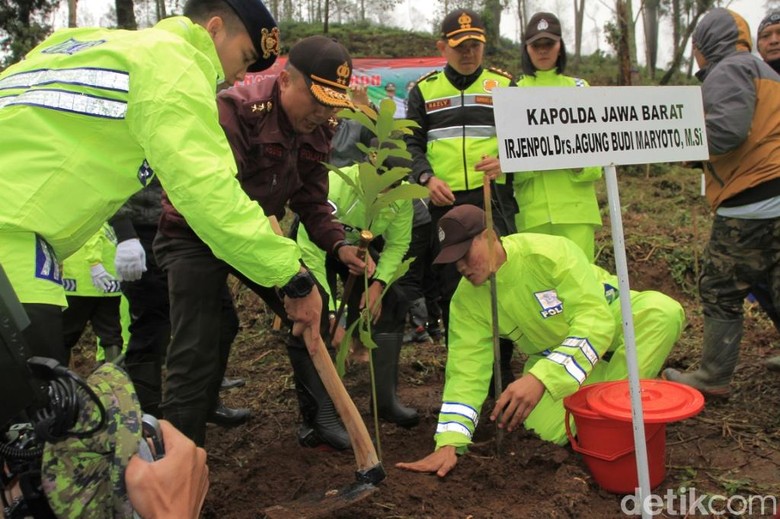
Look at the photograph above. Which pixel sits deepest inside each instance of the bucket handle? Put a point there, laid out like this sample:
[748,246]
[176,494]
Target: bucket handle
[588,452]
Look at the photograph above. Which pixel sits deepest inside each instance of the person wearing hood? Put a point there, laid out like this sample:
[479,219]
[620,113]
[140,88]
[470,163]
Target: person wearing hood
[560,202]
[740,94]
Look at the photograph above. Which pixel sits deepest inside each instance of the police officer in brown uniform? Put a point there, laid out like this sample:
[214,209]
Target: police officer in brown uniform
[280,131]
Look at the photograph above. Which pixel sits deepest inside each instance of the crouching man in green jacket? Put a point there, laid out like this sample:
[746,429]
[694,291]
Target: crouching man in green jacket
[557,308]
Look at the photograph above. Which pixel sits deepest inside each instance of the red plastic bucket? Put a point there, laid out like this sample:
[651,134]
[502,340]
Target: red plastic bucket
[607,445]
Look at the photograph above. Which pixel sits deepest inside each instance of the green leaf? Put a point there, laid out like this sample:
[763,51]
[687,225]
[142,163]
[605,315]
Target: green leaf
[358,116]
[385,123]
[402,192]
[365,330]
[341,354]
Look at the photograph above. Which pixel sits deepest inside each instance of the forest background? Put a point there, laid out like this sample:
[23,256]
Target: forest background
[610,42]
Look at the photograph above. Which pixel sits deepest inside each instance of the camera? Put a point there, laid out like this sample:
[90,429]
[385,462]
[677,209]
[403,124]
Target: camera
[40,401]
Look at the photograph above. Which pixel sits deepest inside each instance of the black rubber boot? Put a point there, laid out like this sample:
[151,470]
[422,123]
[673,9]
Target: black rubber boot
[321,423]
[719,356]
[386,372]
[147,379]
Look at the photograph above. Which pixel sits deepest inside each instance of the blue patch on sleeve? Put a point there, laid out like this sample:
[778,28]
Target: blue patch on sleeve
[46,264]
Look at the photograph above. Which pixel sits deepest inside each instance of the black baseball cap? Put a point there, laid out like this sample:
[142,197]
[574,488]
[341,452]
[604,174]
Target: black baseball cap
[262,29]
[457,230]
[461,25]
[327,68]
[542,25]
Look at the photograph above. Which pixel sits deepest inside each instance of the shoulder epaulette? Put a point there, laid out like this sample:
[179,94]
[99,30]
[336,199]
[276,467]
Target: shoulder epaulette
[261,107]
[427,76]
[501,72]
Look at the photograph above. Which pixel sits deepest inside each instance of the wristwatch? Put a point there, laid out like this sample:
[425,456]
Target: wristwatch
[300,285]
[425,178]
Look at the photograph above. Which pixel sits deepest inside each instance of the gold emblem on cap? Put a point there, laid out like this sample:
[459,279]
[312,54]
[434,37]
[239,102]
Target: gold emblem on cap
[344,73]
[465,21]
[269,42]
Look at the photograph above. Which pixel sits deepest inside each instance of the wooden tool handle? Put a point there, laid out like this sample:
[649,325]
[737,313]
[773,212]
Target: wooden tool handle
[363,448]
[365,453]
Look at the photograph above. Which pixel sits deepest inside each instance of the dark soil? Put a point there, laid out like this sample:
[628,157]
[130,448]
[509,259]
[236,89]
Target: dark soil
[730,449]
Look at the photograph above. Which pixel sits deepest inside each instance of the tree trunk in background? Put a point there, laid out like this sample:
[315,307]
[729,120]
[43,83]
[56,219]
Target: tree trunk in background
[650,18]
[630,34]
[579,16]
[522,15]
[125,15]
[362,10]
[623,47]
[493,9]
[325,17]
[162,11]
[676,17]
[697,10]
[72,11]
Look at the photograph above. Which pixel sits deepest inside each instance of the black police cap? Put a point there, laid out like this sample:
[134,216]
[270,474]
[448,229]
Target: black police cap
[461,25]
[262,29]
[327,68]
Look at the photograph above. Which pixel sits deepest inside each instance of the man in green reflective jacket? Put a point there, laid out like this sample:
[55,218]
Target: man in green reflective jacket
[91,115]
[557,308]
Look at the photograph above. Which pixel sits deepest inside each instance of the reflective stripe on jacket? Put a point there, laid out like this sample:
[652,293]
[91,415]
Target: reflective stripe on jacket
[461,127]
[562,196]
[91,114]
[551,302]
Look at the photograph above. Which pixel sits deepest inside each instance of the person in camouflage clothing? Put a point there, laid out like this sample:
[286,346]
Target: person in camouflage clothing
[101,477]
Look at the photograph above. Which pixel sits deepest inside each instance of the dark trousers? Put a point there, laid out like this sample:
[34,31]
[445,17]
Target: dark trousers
[150,325]
[418,282]
[44,334]
[101,312]
[395,304]
[741,254]
[504,209]
[202,329]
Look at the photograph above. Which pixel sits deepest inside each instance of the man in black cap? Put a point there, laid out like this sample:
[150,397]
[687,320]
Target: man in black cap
[560,310]
[280,130]
[455,145]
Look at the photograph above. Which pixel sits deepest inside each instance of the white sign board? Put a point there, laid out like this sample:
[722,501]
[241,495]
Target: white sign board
[556,127]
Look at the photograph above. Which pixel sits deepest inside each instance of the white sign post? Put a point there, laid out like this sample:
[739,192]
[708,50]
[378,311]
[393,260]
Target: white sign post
[557,128]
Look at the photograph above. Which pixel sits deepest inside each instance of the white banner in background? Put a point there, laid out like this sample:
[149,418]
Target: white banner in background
[556,127]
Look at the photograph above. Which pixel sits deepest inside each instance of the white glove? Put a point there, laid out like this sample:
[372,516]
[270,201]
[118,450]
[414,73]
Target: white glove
[103,280]
[130,260]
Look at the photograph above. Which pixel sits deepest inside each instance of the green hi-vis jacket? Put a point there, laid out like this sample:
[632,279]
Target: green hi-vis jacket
[551,302]
[91,114]
[394,224]
[561,196]
[461,127]
[76,276]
